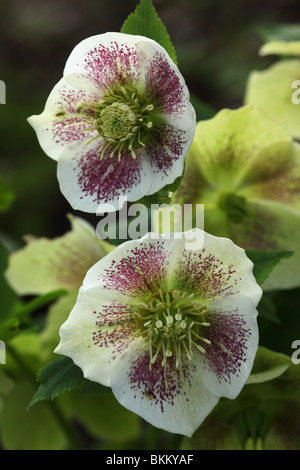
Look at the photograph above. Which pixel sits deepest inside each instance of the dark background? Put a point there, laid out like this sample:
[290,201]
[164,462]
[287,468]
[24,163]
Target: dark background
[217,46]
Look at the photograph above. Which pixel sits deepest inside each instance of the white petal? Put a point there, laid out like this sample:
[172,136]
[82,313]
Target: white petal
[96,333]
[213,267]
[180,407]
[106,57]
[61,122]
[133,269]
[233,333]
[163,81]
[88,182]
[167,151]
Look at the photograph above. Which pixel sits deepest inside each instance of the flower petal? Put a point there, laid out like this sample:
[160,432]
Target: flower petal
[167,154]
[239,147]
[46,265]
[179,407]
[96,334]
[272,226]
[112,58]
[109,58]
[283,187]
[63,121]
[280,48]
[233,333]
[87,182]
[133,270]
[216,268]
[271,89]
[164,83]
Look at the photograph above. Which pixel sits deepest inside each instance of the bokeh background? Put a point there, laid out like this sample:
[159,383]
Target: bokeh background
[217,46]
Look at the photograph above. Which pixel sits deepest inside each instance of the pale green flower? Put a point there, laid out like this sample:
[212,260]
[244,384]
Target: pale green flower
[245,169]
[46,265]
[280,48]
[273,90]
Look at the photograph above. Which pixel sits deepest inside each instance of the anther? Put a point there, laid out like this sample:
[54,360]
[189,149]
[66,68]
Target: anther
[176,294]
[144,305]
[149,107]
[200,348]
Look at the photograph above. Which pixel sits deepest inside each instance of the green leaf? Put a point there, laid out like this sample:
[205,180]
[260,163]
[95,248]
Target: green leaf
[6,197]
[60,376]
[144,21]
[265,262]
[280,32]
[267,309]
[57,377]
[89,388]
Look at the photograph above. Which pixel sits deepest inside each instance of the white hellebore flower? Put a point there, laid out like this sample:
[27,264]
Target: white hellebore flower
[119,122]
[169,329]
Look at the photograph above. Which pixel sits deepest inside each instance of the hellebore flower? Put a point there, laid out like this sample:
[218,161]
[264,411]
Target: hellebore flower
[46,265]
[168,328]
[287,48]
[276,90]
[245,169]
[119,122]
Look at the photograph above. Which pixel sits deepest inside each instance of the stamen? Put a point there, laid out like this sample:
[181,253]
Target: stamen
[171,321]
[122,119]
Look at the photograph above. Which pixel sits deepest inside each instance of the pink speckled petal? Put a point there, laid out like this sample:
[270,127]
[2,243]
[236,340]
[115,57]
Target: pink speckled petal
[109,58]
[165,84]
[134,269]
[88,182]
[167,151]
[96,334]
[61,123]
[213,268]
[233,333]
[179,407]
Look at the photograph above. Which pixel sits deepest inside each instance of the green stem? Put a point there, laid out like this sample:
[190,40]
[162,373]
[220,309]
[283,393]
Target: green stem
[55,409]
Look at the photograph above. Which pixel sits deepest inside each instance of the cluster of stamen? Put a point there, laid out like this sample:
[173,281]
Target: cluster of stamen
[171,325]
[124,119]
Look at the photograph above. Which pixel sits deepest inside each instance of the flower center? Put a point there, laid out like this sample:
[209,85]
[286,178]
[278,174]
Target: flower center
[124,119]
[171,324]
